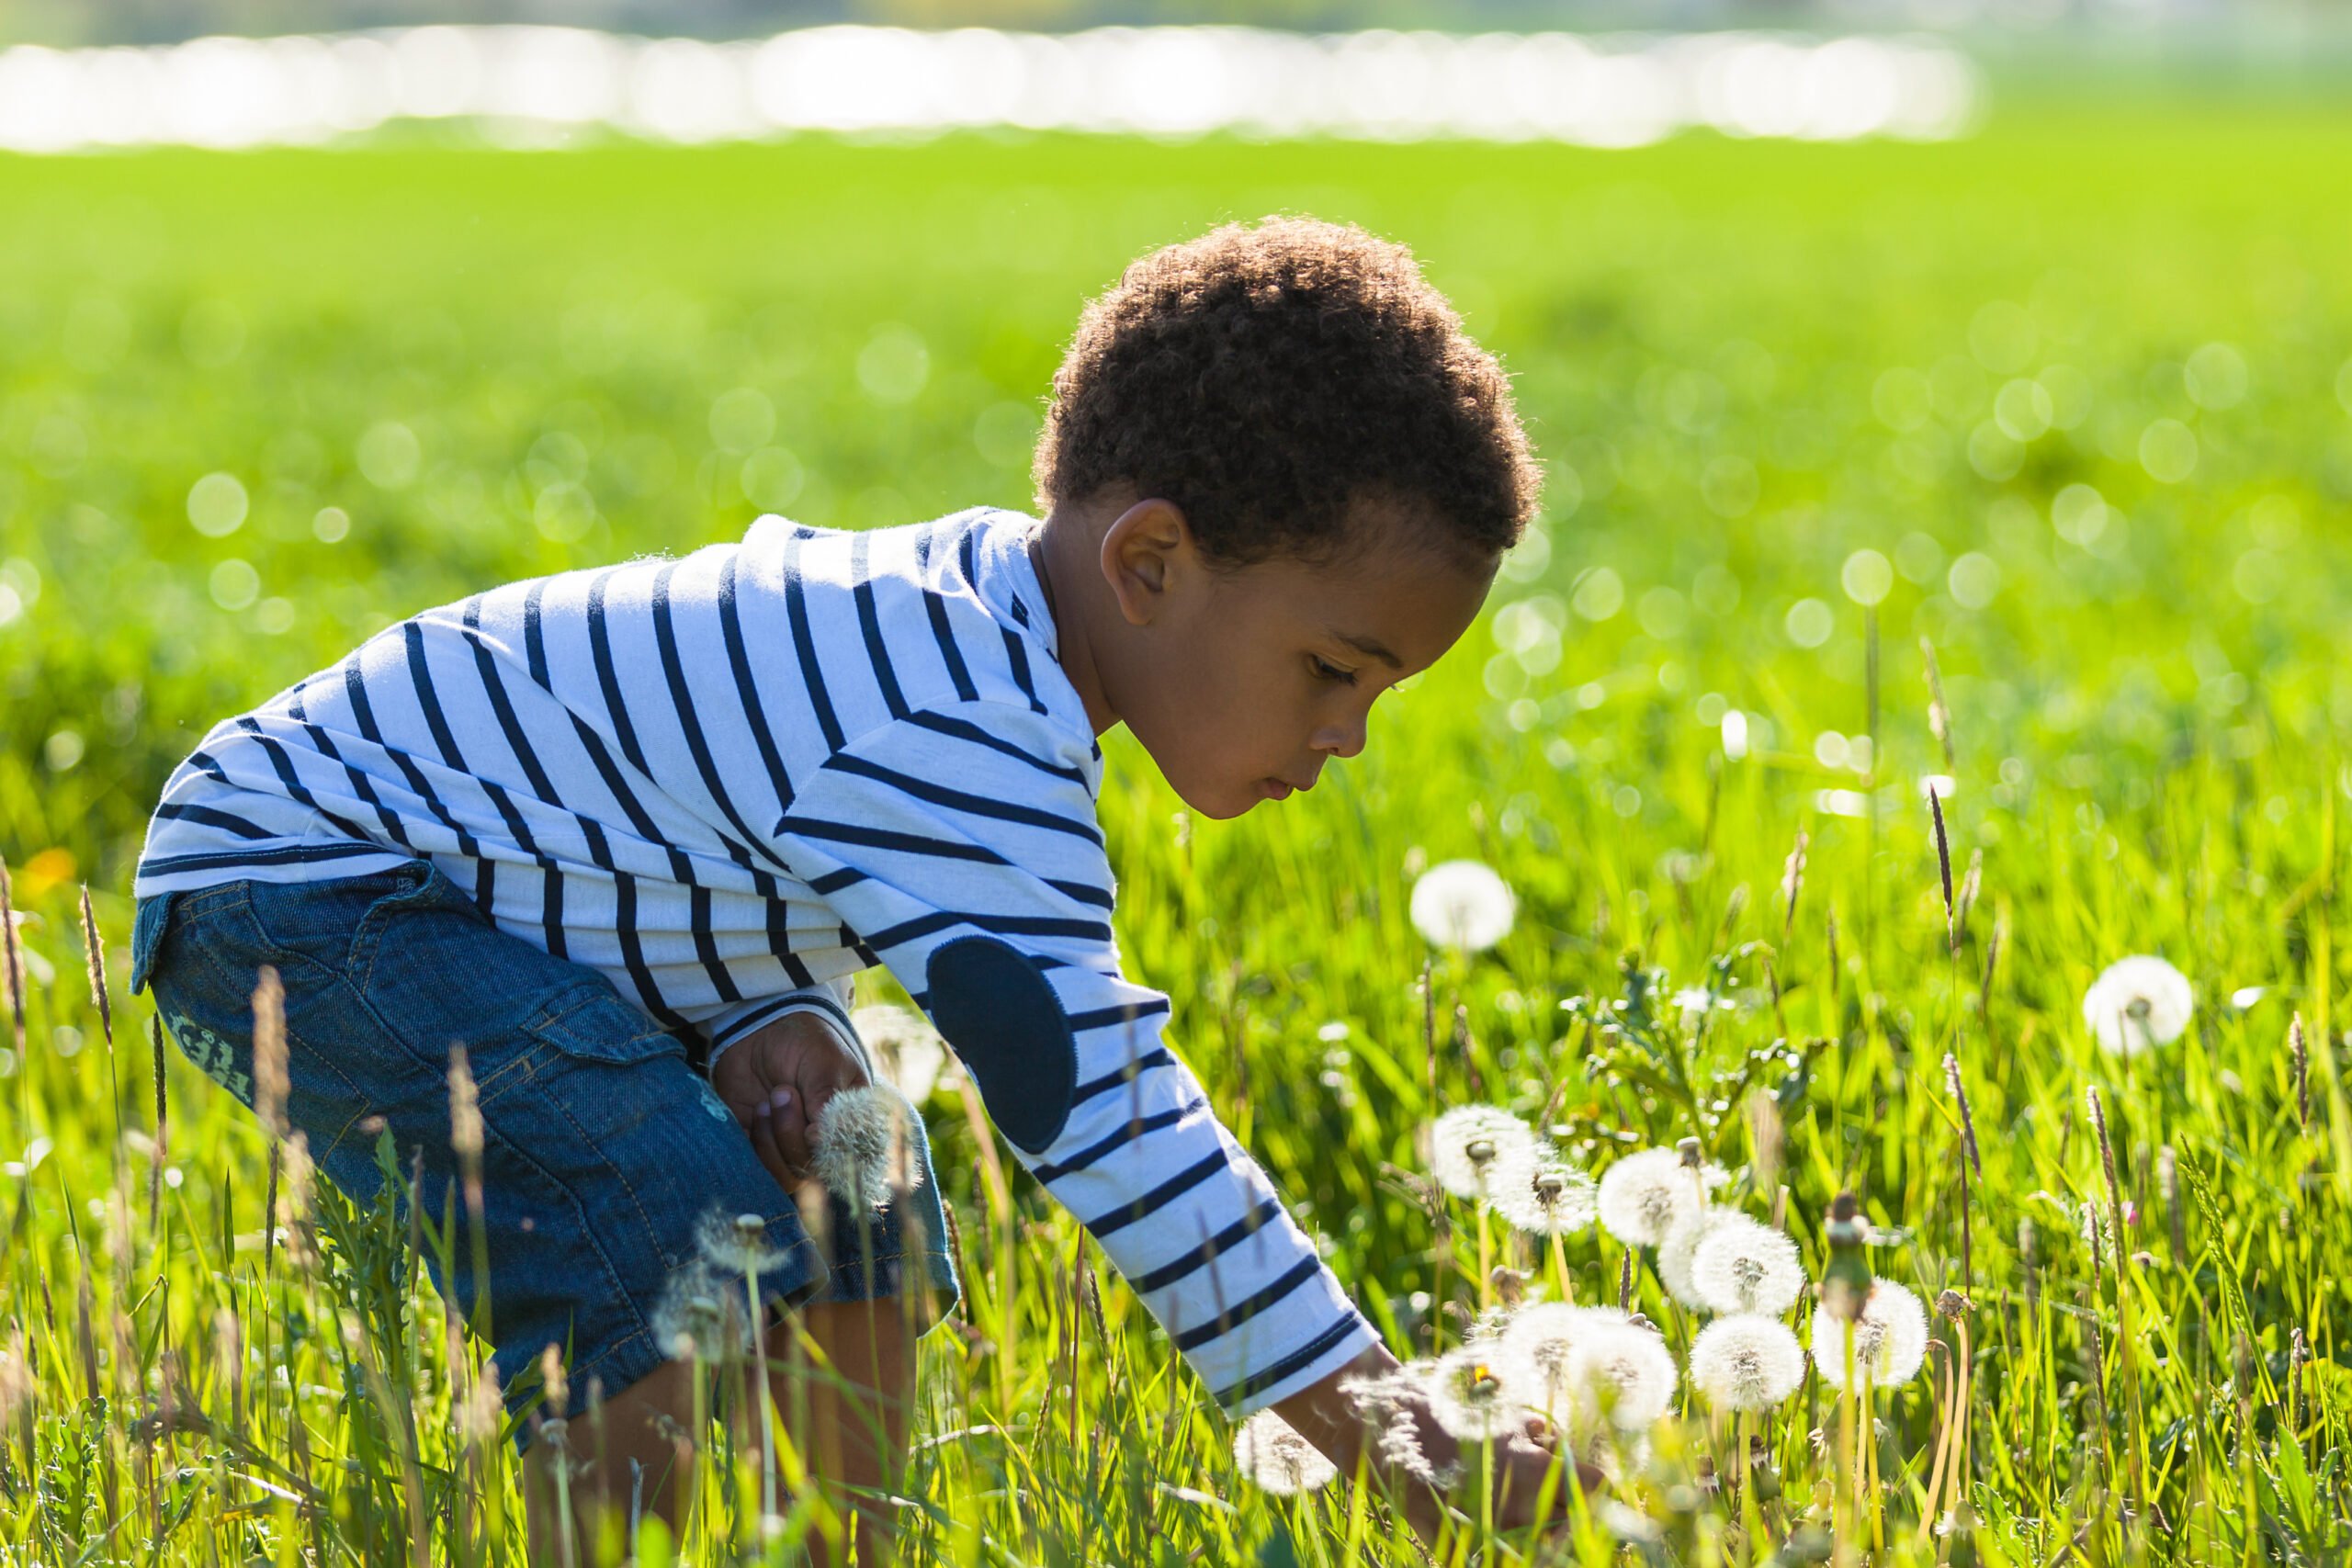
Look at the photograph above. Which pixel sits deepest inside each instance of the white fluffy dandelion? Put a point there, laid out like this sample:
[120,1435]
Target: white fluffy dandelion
[909,1052]
[1277,1459]
[1746,1268]
[1681,1243]
[1535,1188]
[1470,1396]
[735,1244]
[1889,1338]
[702,1315]
[2138,1003]
[1744,1362]
[1468,1142]
[1643,1195]
[1464,903]
[1621,1373]
[862,1145]
[1532,1351]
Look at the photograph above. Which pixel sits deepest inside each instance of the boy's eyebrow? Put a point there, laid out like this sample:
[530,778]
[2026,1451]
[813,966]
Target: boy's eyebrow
[1368,646]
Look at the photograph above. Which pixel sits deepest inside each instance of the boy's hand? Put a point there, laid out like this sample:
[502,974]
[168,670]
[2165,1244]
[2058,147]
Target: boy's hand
[778,1079]
[1343,1425]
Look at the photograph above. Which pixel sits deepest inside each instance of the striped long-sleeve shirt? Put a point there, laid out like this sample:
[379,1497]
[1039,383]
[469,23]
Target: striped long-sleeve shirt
[731,779]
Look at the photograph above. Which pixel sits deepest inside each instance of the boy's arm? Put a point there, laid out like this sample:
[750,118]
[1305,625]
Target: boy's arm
[960,846]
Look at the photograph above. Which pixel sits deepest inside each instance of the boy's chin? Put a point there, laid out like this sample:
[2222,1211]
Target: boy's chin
[1224,803]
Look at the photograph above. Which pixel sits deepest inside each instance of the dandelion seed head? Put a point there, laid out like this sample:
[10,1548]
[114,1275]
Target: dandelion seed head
[1469,1142]
[1277,1459]
[1470,1397]
[2138,1003]
[1746,1268]
[1535,1188]
[858,1145]
[1622,1374]
[1464,903]
[1744,1362]
[1642,1195]
[1890,1338]
[702,1314]
[731,1246]
[1532,1351]
[1681,1243]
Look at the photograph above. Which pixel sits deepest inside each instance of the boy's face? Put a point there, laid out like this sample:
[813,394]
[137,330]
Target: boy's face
[1243,681]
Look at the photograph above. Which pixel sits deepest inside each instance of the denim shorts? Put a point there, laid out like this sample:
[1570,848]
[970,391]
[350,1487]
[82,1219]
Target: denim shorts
[603,1149]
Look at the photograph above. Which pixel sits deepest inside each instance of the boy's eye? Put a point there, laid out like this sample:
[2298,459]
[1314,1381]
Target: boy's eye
[1325,670]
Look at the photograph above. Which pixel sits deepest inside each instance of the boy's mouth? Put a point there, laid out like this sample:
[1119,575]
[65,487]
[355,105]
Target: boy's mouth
[1275,789]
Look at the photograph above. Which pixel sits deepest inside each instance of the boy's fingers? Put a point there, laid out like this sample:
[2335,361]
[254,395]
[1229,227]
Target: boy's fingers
[788,1123]
[764,1143]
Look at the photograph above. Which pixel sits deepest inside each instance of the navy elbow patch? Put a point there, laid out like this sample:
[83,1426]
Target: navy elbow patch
[996,1009]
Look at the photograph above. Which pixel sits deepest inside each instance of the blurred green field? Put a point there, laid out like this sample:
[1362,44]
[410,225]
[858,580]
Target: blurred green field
[2071,400]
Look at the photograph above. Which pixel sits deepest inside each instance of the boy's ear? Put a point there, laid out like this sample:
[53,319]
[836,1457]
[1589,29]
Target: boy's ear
[1147,551]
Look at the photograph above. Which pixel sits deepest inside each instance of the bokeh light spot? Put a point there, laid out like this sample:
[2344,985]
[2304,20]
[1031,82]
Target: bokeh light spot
[1867,577]
[1809,623]
[217,505]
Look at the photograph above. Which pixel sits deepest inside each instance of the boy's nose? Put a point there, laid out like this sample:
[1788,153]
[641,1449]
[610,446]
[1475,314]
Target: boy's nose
[1339,740]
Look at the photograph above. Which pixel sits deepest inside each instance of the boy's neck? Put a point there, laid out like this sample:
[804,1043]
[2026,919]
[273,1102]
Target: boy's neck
[1063,553]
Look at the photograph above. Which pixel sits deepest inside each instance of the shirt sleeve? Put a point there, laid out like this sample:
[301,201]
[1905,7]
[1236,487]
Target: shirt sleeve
[960,846]
[730,1024]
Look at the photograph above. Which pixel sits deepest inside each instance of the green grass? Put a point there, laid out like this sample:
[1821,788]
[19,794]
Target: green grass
[2144,725]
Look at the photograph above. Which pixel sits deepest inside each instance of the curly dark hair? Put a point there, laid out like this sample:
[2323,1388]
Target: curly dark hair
[1266,377]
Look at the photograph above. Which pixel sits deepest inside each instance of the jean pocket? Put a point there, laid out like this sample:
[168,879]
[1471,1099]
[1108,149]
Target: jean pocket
[147,928]
[595,1023]
[319,920]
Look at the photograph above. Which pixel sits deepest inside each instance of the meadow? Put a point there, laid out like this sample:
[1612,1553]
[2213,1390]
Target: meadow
[2067,403]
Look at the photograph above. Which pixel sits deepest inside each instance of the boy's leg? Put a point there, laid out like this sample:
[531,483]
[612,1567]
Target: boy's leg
[850,1427]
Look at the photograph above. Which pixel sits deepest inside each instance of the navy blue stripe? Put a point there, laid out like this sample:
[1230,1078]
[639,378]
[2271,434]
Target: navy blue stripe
[707,945]
[877,652]
[1130,1132]
[1017,653]
[730,627]
[665,636]
[1241,1312]
[211,816]
[1002,925]
[884,839]
[1215,1248]
[1305,1356]
[356,686]
[361,786]
[834,881]
[1183,1181]
[936,607]
[957,800]
[282,762]
[941,724]
[600,649]
[780,944]
[1118,1012]
[206,763]
[534,641]
[1156,1057]
[296,852]
[485,875]
[795,610]
[1085,893]
[494,686]
[633,950]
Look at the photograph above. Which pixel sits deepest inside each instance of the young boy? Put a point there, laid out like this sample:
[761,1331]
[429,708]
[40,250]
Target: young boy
[606,827]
